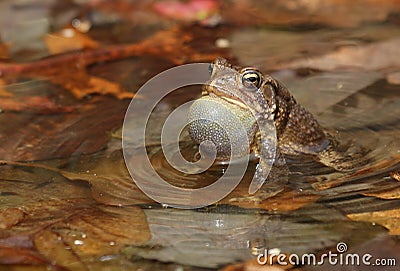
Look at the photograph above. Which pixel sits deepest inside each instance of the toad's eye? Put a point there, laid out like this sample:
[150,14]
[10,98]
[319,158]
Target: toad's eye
[251,79]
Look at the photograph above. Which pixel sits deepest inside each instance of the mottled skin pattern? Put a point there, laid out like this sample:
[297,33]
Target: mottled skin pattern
[298,132]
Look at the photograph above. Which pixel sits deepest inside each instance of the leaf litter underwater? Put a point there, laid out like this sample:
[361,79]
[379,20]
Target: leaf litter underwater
[78,208]
[316,201]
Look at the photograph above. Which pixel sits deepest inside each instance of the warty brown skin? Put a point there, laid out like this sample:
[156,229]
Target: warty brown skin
[298,132]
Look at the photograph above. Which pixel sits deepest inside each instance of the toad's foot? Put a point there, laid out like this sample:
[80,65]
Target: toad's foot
[273,184]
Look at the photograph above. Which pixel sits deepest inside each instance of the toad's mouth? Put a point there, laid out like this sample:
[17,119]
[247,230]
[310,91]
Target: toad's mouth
[216,94]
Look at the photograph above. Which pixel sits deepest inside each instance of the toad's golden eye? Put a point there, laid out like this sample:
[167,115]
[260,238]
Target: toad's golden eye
[251,79]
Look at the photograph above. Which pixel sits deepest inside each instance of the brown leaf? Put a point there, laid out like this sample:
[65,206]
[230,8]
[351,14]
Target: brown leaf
[374,167]
[390,219]
[80,84]
[373,56]
[42,214]
[94,232]
[10,256]
[110,181]
[113,187]
[3,91]
[395,175]
[393,78]
[108,229]
[68,39]
[285,201]
[65,224]
[33,137]
[4,51]
[50,245]
[340,13]
[253,265]
[171,44]
[324,48]
[118,191]
[10,217]
[393,193]
[34,104]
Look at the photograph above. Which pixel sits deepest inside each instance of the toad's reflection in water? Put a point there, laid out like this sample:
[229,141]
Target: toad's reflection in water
[225,234]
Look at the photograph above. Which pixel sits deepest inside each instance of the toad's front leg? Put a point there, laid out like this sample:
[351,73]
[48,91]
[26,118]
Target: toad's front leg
[270,159]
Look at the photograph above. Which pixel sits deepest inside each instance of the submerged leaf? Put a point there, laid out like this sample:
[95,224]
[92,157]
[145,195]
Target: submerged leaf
[390,219]
[81,85]
[60,222]
[20,256]
[389,194]
[365,48]
[283,202]
[37,137]
[375,56]
[335,13]
[393,78]
[10,217]
[95,232]
[51,246]
[253,265]
[68,39]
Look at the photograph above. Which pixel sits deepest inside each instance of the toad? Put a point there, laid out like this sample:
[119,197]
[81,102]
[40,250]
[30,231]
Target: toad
[278,124]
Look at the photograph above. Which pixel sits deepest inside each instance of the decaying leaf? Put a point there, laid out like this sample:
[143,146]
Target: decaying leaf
[109,179]
[339,13]
[32,137]
[395,175]
[393,78]
[60,225]
[81,84]
[318,49]
[35,105]
[285,201]
[3,91]
[68,39]
[98,231]
[375,56]
[390,219]
[393,193]
[4,54]
[253,265]
[20,256]
[70,70]
[374,167]
[51,246]
[80,211]
[9,217]
[92,232]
